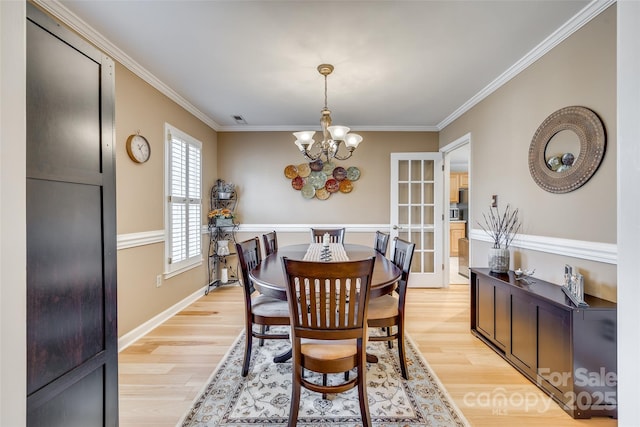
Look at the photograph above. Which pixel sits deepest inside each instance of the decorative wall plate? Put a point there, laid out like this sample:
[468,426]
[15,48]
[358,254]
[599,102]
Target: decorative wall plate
[322,193]
[346,186]
[591,134]
[290,172]
[317,179]
[339,173]
[328,168]
[297,183]
[304,170]
[308,192]
[316,165]
[353,173]
[332,185]
[321,179]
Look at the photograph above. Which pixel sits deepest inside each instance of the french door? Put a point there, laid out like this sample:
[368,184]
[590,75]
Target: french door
[417,213]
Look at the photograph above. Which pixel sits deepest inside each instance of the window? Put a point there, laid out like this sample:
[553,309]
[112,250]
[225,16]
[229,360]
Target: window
[184,200]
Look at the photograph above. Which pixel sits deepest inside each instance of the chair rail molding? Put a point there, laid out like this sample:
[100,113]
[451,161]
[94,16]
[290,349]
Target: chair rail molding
[593,251]
[304,228]
[132,240]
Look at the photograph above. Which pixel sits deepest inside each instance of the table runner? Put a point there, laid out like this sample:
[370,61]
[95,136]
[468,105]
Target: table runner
[336,249]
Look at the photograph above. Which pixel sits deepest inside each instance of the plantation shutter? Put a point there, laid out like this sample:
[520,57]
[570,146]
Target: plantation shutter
[185,200]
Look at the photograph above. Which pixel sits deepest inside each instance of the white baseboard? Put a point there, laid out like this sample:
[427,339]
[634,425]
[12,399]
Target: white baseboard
[132,336]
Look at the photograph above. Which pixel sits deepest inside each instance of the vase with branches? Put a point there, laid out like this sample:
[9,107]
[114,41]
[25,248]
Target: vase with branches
[502,228]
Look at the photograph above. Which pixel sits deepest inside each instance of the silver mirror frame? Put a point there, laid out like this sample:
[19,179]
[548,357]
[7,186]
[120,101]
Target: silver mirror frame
[591,133]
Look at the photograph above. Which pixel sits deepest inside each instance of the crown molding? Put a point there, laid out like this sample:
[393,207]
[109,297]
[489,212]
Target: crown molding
[589,12]
[55,8]
[291,128]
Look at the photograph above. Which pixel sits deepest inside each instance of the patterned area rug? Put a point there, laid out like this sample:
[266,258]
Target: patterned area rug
[262,398]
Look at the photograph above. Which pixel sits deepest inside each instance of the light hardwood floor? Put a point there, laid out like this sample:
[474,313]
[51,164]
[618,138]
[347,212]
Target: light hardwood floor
[162,373]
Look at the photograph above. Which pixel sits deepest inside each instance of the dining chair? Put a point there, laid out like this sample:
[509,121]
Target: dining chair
[260,310]
[387,311]
[270,241]
[328,309]
[381,242]
[336,235]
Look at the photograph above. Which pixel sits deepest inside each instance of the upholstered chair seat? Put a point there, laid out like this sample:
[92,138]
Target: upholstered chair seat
[383,307]
[265,306]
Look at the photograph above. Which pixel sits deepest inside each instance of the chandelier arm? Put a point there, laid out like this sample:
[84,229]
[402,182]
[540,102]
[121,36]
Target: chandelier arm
[345,157]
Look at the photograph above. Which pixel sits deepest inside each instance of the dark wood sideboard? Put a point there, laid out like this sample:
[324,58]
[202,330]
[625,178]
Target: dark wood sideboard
[568,352]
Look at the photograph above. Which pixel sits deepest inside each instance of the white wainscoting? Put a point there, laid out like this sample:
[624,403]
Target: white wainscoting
[593,251]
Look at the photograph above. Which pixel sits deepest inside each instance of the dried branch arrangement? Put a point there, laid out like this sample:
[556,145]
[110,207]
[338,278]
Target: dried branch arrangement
[501,227]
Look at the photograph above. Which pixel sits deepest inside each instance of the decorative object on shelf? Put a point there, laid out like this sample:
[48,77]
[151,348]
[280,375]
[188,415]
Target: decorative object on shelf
[573,286]
[524,275]
[223,247]
[221,217]
[332,136]
[225,189]
[138,148]
[567,171]
[224,275]
[502,228]
[318,179]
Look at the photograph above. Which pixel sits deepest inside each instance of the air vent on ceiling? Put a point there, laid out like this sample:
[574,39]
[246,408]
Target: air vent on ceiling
[239,120]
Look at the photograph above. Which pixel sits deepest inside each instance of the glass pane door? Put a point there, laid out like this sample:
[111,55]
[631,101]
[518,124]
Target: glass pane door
[417,213]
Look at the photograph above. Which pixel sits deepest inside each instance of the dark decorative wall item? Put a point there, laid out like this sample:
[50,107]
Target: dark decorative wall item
[321,179]
[568,171]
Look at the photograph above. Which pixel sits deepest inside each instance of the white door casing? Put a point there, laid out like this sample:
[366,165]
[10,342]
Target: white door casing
[417,213]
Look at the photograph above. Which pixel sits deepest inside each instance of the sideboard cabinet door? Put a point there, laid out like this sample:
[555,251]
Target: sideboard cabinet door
[554,349]
[523,332]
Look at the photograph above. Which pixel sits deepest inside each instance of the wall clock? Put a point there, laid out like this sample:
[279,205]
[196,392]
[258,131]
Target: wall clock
[138,148]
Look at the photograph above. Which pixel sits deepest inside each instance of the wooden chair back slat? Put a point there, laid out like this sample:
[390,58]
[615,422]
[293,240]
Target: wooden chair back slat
[328,296]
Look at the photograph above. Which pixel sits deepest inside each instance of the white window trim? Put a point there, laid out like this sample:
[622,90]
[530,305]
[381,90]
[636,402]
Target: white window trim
[173,268]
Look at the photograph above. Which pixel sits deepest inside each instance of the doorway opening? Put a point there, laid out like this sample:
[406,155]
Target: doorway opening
[457,223]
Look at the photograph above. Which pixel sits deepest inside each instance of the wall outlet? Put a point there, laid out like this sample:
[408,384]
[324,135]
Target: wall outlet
[158,280]
[494,201]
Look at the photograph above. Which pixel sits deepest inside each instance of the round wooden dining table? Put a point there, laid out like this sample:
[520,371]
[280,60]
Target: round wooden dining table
[269,278]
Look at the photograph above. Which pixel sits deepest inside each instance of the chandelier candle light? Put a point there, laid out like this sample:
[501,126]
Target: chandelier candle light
[332,136]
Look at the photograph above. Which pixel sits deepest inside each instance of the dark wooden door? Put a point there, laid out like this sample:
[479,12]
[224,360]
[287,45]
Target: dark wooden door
[72,354]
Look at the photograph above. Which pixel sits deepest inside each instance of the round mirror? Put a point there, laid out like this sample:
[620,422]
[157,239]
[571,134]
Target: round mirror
[562,151]
[567,149]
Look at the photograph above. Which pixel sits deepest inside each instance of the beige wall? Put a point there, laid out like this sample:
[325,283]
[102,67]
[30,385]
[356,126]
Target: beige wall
[579,71]
[140,209]
[255,161]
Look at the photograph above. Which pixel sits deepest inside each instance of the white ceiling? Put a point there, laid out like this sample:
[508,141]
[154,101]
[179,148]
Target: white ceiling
[399,65]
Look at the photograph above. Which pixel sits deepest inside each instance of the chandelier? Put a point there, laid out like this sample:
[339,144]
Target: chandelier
[332,136]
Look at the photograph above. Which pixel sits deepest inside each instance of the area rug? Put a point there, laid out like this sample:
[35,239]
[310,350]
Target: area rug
[262,398]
